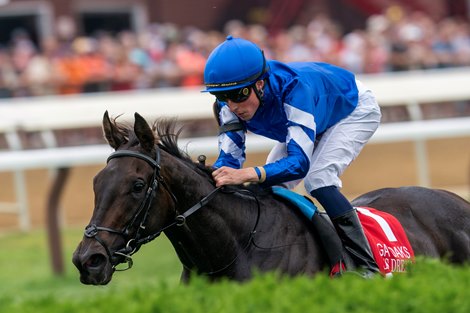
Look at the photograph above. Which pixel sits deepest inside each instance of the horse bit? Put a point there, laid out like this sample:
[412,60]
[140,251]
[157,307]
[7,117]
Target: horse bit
[133,245]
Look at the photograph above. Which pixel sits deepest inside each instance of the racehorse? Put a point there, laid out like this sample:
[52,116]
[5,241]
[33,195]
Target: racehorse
[150,186]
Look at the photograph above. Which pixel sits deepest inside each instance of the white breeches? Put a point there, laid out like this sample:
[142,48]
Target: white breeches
[338,146]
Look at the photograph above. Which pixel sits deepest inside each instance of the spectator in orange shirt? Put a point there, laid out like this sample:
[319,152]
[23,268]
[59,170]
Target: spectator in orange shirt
[93,66]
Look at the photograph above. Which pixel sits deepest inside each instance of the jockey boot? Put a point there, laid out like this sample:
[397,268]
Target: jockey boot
[355,242]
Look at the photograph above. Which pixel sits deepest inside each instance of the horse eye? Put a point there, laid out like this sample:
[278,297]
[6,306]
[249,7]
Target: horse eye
[138,186]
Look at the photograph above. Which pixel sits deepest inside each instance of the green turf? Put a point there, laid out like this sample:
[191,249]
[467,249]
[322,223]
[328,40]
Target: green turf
[152,286]
[25,269]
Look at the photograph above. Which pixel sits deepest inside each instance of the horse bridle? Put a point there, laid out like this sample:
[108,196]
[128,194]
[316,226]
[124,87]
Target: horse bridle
[133,244]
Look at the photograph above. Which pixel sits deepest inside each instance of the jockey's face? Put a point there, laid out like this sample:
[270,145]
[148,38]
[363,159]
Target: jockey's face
[246,110]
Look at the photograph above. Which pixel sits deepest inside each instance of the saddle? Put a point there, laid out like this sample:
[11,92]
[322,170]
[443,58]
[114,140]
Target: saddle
[387,239]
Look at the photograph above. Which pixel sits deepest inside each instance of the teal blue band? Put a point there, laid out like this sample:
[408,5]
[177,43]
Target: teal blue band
[258,172]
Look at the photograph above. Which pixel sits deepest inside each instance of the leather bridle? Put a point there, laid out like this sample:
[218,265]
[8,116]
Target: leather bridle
[133,244]
[124,255]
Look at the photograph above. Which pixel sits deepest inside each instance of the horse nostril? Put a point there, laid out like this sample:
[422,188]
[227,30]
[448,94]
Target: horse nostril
[95,260]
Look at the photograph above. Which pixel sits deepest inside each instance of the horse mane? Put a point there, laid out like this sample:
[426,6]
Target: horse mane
[167,134]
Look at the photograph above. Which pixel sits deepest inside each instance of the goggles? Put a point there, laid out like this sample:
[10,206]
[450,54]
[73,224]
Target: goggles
[237,95]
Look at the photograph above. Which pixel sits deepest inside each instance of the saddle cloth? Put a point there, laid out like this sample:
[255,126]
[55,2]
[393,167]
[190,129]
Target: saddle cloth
[387,239]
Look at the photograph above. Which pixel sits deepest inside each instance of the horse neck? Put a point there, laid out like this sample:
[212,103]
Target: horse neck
[215,233]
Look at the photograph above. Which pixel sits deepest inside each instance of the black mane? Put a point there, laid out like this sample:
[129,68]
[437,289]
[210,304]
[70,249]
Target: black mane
[167,136]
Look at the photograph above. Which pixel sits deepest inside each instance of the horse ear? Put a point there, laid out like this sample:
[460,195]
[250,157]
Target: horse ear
[113,135]
[144,133]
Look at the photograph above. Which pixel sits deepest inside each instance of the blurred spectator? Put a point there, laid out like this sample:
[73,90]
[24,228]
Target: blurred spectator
[95,70]
[124,72]
[8,76]
[376,55]
[40,74]
[442,45]
[71,70]
[190,59]
[138,57]
[352,54]
[23,51]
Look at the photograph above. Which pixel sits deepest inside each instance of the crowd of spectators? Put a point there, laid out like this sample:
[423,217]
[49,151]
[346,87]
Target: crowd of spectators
[165,55]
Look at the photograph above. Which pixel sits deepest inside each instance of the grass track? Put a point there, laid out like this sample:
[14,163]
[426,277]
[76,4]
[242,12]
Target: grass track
[152,285]
[25,269]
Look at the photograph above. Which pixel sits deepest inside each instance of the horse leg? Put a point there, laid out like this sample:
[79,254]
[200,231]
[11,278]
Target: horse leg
[185,276]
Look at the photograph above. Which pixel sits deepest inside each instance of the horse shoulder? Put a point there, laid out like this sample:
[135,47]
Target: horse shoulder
[287,240]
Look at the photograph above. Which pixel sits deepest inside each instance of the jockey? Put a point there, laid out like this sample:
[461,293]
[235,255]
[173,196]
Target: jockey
[320,115]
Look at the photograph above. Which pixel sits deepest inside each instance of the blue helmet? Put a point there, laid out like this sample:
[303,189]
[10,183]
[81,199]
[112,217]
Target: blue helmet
[234,64]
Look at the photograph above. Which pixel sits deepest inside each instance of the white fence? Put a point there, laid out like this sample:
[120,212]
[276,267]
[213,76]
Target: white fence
[51,113]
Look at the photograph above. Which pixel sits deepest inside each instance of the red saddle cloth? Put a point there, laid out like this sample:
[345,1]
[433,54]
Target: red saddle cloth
[387,239]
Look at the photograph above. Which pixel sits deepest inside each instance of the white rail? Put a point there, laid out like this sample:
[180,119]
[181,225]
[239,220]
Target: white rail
[96,154]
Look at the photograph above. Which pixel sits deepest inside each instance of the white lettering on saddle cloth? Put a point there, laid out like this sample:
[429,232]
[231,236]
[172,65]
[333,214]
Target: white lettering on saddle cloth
[387,239]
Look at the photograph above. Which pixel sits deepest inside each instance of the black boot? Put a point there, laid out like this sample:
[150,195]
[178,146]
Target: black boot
[355,242]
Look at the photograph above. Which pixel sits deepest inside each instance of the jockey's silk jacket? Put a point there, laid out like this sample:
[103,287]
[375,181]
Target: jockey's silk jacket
[300,101]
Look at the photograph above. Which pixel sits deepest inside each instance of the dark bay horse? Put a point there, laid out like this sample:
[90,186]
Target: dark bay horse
[150,186]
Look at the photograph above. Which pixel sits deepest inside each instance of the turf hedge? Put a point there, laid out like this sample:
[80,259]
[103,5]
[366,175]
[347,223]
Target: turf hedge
[429,286]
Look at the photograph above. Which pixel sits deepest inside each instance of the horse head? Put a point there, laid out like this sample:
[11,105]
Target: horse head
[124,193]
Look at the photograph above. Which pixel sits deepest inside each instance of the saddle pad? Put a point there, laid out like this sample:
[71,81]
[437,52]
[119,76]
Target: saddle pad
[389,243]
[305,206]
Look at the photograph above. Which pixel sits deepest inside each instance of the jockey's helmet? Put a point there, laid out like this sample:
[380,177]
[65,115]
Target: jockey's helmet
[234,64]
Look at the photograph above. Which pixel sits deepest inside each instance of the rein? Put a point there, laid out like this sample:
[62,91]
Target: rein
[133,244]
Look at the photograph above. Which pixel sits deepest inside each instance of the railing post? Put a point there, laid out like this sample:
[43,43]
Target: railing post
[21,193]
[421,155]
[422,164]
[53,225]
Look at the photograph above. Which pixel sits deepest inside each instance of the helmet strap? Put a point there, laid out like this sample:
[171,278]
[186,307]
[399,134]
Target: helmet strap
[259,93]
